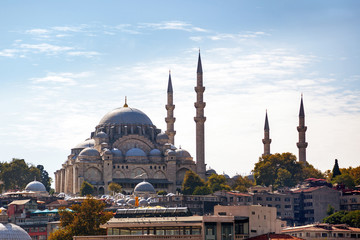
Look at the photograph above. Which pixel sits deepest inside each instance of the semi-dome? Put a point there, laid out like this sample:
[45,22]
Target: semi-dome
[35,186]
[125,115]
[11,231]
[89,152]
[86,143]
[182,153]
[155,152]
[135,152]
[162,136]
[144,187]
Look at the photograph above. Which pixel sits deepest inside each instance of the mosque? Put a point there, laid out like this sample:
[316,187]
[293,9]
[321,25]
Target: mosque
[127,148]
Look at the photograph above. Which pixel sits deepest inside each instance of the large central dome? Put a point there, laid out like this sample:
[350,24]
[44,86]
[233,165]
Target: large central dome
[125,115]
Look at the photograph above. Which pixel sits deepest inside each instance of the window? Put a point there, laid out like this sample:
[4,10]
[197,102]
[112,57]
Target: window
[287,206]
[323,234]
[287,199]
[277,199]
[253,213]
[231,199]
[268,198]
[259,198]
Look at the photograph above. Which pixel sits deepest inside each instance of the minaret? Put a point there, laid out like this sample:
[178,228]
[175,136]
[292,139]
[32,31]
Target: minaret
[266,141]
[200,121]
[170,113]
[302,144]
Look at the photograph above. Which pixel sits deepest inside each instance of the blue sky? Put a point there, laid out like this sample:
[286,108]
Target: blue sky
[65,64]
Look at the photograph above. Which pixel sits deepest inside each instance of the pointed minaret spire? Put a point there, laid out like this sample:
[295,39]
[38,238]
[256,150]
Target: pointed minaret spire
[266,141]
[301,112]
[125,105]
[199,67]
[170,113]
[302,144]
[200,122]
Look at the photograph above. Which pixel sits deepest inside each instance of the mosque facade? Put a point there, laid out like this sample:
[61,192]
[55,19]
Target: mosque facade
[127,148]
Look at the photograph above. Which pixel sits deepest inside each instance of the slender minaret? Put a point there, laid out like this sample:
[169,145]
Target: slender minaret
[170,113]
[302,144]
[200,121]
[266,141]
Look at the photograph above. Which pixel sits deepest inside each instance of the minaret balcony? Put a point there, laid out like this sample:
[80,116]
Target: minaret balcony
[199,89]
[170,107]
[199,119]
[302,144]
[302,128]
[170,119]
[200,104]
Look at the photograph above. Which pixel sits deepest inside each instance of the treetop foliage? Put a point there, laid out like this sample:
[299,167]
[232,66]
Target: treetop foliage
[282,170]
[17,174]
[351,218]
[85,219]
[86,189]
[336,170]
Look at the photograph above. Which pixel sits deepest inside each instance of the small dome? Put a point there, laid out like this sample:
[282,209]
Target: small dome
[116,152]
[101,135]
[125,115]
[107,151]
[11,231]
[162,136]
[226,176]
[135,152]
[89,152]
[144,187]
[35,186]
[182,153]
[210,172]
[170,152]
[86,143]
[143,202]
[131,201]
[155,152]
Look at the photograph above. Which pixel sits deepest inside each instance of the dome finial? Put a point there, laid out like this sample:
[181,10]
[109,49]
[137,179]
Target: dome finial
[125,105]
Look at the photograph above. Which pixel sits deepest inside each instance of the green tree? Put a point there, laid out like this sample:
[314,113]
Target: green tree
[114,188]
[282,170]
[242,184]
[86,189]
[202,190]
[217,182]
[44,177]
[336,170]
[345,179]
[308,171]
[351,218]
[266,171]
[284,179]
[83,220]
[335,218]
[191,181]
[17,174]
[330,210]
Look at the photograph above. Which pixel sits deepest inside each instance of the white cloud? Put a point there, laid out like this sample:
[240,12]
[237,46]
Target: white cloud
[173,25]
[8,52]
[45,47]
[38,31]
[85,54]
